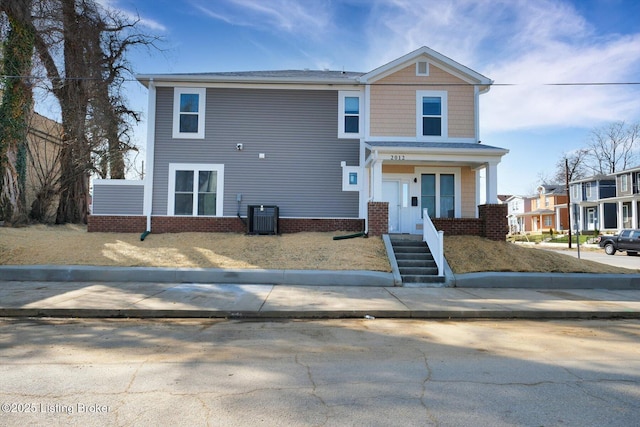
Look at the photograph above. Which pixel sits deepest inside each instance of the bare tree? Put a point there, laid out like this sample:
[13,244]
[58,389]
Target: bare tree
[82,47]
[612,148]
[577,169]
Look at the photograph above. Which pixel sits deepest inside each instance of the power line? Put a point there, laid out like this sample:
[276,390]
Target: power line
[41,78]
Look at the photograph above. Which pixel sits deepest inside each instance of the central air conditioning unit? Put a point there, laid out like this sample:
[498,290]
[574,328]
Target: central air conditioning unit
[262,219]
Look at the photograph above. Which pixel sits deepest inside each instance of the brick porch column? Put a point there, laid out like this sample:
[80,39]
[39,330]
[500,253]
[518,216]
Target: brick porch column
[495,225]
[378,213]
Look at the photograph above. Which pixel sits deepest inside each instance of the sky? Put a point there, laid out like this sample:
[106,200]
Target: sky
[526,47]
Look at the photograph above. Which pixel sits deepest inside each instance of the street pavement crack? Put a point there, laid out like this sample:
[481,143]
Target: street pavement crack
[314,388]
[425,381]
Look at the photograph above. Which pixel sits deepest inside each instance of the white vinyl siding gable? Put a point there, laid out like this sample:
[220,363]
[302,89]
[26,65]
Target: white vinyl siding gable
[189,113]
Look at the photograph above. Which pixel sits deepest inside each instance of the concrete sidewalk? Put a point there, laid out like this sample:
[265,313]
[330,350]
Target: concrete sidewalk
[246,301]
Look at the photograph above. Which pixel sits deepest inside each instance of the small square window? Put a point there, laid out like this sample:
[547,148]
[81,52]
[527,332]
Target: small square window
[422,68]
[353,178]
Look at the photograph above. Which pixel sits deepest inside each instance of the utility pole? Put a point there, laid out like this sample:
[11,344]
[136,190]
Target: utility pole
[566,173]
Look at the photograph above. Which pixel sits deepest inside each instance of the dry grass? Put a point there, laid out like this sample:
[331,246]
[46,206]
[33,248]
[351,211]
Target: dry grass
[467,254]
[72,245]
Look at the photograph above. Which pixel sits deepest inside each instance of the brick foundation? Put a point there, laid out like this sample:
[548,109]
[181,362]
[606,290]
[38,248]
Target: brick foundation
[178,224]
[459,226]
[492,223]
[117,224]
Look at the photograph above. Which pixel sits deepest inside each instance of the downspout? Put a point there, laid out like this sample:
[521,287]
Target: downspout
[148,179]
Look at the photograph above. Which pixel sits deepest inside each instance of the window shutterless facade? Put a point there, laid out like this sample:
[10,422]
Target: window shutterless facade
[431,117]
[349,114]
[188,112]
[196,190]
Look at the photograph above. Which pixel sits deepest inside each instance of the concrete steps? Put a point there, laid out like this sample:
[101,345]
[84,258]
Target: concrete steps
[415,262]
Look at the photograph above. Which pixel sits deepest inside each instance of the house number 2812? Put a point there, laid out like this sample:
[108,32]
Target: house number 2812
[397,157]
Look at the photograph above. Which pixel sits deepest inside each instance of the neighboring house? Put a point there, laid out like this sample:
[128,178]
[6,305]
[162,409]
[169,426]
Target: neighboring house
[608,202]
[627,185]
[517,206]
[592,204]
[333,150]
[548,210]
[44,139]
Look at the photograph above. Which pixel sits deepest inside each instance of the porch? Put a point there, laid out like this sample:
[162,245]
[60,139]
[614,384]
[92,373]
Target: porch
[450,180]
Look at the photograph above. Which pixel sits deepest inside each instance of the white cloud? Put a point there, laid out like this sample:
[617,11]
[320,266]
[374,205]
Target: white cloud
[310,19]
[521,42]
[111,5]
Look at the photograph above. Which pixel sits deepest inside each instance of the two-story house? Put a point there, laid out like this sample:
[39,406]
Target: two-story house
[333,150]
[592,205]
[627,184]
[517,206]
[608,202]
[547,210]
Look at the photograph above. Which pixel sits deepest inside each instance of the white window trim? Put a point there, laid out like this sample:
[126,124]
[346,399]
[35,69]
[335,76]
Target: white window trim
[576,192]
[457,177]
[444,117]
[418,73]
[202,93]
[196,167]
[342,94]
[587,190]
[624,183]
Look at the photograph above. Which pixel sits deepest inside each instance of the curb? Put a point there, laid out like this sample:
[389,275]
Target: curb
[84,273]
[318,314]
[548,281]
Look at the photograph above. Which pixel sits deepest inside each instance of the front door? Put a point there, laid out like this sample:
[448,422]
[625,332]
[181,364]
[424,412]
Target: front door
[396,193]
[591,219]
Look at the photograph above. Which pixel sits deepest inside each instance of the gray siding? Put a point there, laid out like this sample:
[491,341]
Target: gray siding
[295,129]
[118,199]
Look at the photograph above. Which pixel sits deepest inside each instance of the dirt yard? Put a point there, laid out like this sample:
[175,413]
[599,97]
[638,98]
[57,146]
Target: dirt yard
[72,245]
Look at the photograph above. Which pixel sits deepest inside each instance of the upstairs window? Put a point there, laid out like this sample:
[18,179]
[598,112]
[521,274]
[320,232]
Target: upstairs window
[188,113]
[431,108]
[576,196]
[350,113]
[624,184]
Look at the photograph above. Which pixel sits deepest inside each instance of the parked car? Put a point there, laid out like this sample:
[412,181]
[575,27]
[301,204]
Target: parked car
[626,241]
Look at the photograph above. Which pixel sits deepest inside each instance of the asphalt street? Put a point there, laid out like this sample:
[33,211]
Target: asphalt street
[332,372]
[620,259]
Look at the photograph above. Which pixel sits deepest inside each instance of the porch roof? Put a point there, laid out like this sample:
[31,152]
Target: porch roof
[537,212]
[436,146]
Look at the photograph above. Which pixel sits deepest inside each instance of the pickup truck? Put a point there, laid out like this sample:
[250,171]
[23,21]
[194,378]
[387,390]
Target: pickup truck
[626,241]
